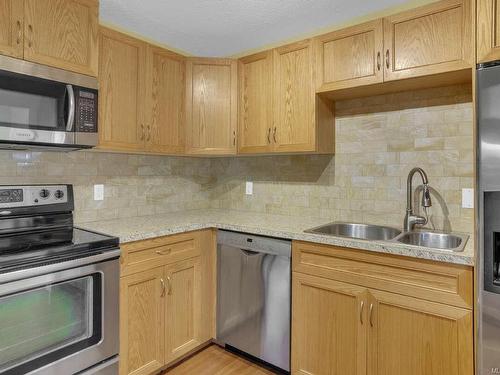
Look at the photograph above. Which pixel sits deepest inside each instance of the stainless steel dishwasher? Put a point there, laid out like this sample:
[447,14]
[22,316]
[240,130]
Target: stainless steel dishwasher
[253,296]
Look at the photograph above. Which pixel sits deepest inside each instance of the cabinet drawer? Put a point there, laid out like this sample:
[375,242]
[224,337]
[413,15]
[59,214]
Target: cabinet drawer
[434,281]
[143,255]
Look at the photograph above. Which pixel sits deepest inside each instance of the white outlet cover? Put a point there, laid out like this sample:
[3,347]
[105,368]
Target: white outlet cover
[467,198]
[249,188]
[98,192]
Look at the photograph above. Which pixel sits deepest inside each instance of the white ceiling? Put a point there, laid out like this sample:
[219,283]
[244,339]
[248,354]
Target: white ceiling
[227,27]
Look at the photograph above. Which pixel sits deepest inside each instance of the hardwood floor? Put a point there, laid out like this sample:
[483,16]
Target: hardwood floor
[216,361]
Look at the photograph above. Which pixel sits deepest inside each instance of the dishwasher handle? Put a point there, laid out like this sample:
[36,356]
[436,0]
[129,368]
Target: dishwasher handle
[250,253]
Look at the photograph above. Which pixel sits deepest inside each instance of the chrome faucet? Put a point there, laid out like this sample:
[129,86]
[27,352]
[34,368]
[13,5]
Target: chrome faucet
[411,219]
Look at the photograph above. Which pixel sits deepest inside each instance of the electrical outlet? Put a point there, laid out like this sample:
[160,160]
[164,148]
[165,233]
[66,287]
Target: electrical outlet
[467,198]
[98,192]
[249,188]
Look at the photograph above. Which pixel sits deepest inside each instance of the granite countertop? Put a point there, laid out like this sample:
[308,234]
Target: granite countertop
[144,227]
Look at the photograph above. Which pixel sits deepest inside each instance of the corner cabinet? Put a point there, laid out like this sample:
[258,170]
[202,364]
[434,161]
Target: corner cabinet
[488,30]
[211,106]
[359,313]
[167,305]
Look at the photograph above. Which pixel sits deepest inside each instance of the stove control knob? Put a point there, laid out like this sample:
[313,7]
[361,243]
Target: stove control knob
[44,193]
[59,194]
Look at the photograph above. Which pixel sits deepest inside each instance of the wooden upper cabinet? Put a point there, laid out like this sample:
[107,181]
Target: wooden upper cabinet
[255,103]
[350,57]
[142,322]
[122,99]
[211,106]
[432,39]
[416,337]
[62,34]
[167,84]
[294,99]
[329,321]
[183,308]
[11,28]
[488,30]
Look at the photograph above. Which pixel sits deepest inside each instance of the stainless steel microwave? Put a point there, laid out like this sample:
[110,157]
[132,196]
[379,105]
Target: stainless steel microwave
[44,107]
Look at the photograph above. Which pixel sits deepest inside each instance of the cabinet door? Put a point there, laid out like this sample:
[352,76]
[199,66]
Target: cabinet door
[183,308]
[142,322]
[121,91]
[211,106]
[432,39]
[416,337]
[488,30]
[165,129]
[294,94]
[329,324]
[350,57]
[62,33]
[11,28]
[255,104]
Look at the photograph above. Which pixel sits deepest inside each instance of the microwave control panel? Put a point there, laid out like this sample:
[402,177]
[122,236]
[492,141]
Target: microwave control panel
[86,111]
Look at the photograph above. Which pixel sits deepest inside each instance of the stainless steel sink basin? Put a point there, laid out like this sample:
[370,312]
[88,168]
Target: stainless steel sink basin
[359,231]
[443,241]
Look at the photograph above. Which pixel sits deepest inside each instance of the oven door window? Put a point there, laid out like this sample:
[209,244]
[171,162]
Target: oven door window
[31,103]
[42,325]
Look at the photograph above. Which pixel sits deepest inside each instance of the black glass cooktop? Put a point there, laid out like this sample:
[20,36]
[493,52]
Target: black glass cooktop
[31,248]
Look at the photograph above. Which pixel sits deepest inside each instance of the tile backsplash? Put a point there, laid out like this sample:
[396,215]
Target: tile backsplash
[378,140]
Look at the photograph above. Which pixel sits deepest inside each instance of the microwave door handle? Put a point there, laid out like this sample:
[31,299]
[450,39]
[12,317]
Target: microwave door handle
[71,108]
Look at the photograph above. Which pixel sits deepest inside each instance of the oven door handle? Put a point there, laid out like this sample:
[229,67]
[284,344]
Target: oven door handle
[71,108]
[56,267]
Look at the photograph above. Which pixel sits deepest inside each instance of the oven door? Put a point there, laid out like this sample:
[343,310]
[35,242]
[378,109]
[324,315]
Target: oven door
[60,323]
[35,110]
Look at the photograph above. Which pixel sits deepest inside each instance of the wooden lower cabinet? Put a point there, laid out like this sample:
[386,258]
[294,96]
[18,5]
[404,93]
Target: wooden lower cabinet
[354,327]
[183,308]
[416,337]
[169,310]
[328,335]
[142,322]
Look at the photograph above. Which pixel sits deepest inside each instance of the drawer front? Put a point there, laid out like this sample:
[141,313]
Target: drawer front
[434,281]
[142,255]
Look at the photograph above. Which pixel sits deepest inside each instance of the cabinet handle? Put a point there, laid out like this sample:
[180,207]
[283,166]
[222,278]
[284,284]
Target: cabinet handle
[234,137]
[162,282]
[142,133]
[169,281]
[378,61]
[387,64]
[371,314]
[361,311]
[149,133]
[30,38]
[269,135]
[19,31]
[163,252]
[274,135]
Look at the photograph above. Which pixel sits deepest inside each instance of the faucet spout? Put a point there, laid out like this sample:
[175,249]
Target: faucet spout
[410,218]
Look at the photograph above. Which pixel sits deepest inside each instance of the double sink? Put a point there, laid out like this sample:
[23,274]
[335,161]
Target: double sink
[435,240]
